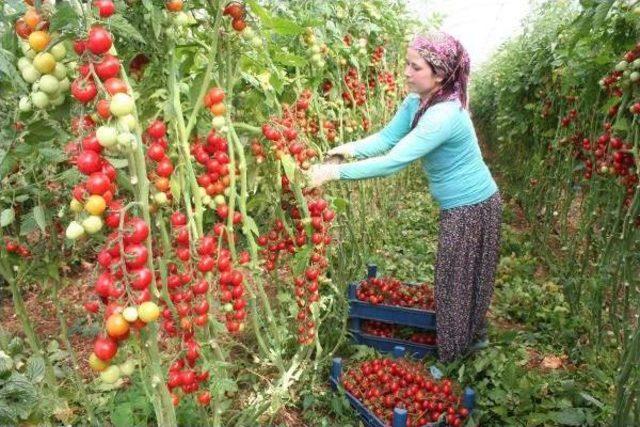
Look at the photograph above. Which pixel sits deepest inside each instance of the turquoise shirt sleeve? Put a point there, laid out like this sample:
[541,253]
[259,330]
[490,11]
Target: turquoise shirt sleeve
[434,127]
[389,136]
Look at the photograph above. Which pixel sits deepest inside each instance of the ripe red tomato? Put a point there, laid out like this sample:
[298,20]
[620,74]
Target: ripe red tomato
[105,348]
[107,68]
[157,129]
[84,90]
[88,162]
[99,40]
[106,8]
[115,85]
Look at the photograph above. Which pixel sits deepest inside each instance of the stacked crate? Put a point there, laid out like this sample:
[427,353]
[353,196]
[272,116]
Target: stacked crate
[360,311]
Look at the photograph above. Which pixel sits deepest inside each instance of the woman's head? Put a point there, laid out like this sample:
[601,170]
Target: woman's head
[438,68]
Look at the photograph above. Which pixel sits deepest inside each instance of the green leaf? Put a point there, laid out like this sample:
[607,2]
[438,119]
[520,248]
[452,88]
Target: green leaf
[52,155]
[20,395]
[65,17]
[251,225]
[174,185]
[7,415]
[6,363]
[569,417]
[289,166]
[7,61]
[591,399]
[340,204]
[35,369]
[259,11]
[286,27]
[27,223]
[621,125]
[7,217]
[38,214]
[121,27]
[289,59]
[301,260]
[122,415]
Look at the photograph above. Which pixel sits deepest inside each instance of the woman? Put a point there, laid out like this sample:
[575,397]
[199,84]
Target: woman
[433,125]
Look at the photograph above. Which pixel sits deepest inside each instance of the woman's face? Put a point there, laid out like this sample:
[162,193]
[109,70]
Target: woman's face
[419,76]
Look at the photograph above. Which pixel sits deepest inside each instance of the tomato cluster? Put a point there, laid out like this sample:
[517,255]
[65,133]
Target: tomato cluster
[384,384]
[237,13]
[156,138]
[188,380]
[389,291]
[388,330]
[12,246]
[43,64]
[356,95]
[213,154]
[279,242]
[285,138]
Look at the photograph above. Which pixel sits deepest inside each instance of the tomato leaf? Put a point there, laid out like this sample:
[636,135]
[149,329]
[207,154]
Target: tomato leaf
[251,225]
[289,166]
[65,18]
[35,369]
[7,217]
[121,27]
[289,59]
[301,260]
[174,184]
[38,214]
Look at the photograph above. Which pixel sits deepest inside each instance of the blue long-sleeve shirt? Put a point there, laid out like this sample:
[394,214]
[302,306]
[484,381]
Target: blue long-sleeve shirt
[444,139]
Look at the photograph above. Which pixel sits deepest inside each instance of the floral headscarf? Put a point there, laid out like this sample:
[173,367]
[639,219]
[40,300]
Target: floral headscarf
[449,59]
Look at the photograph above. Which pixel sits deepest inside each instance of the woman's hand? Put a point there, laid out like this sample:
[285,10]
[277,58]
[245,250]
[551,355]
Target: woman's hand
[343,150]
[319,174]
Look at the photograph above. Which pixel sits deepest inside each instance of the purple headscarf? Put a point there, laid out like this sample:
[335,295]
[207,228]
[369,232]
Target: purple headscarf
[449,59]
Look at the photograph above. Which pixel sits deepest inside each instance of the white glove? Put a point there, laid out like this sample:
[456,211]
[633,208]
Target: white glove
[319,174]
[344,150]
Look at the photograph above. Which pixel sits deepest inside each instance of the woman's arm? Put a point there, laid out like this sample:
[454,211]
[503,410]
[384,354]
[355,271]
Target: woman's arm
[432,130]
[383,140]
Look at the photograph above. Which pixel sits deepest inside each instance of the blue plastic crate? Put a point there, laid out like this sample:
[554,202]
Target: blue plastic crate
[414,317]
[386,345]
[399,415]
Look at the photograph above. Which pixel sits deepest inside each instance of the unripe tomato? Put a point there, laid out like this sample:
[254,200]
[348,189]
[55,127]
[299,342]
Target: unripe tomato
[92,224]
[111,374]
[121,104]
[38,40]
[95,204]
[97,364]
[117,326]
[148,311]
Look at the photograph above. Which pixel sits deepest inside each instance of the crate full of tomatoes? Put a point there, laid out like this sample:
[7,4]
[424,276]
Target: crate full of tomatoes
[385,336]
[393,301]
[400,392]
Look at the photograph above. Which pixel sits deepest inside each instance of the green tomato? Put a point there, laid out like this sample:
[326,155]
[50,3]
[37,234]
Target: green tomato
[75,205]
[74,231]
[107,136]
[30,74]
[60,72]
[160,198]
[25,104]
[635,76]
[58,100]
[40,99]
[92,224]
[127,123]
[130,314]
[23,63]
[218,122]
[65,84]
[121,104]
[111,374]
[58,51]
[128,367]
[219,200]
[49,84]
[228,307]
[44,62]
